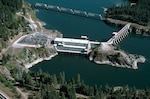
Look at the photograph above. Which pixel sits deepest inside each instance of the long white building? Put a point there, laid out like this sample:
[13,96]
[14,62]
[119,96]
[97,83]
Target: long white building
[70,45]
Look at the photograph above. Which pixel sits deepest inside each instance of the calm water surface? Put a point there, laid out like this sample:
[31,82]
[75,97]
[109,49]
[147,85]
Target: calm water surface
[73,26]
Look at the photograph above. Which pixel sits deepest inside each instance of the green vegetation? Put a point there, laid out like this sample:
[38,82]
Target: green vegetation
[7,86]
[5,59]
[138,13]
[8,21]
[28,55]
[41,85]
[48,86]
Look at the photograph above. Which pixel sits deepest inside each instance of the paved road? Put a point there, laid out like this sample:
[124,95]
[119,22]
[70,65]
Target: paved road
[3,95]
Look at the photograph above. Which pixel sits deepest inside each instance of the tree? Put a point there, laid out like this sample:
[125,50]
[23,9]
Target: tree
[140,13]
[27,79]
[43,94]
[107,89]
[62,78]
[39,72]
[63,96]
[5,58]
[78,79]
[54,79]
[8,20]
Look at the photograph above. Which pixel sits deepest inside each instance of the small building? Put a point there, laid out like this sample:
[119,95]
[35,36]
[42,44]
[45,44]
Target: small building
[114,33]
[70,45]
[84,37]
[117,88]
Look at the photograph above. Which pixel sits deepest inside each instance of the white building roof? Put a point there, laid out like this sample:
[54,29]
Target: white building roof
[72,40]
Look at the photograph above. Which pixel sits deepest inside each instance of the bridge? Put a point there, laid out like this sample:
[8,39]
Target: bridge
[69,11]
[119,36]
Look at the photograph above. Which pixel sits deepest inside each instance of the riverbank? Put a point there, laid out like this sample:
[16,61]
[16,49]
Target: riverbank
[135,28]
[29,65]
[122,23]
[37,25]
[134,64]
[123,60]
[140,19]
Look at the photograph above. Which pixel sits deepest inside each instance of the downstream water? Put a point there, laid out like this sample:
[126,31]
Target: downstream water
[73,26]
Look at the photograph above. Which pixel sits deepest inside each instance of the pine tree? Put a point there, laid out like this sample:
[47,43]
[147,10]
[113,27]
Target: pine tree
[54,79]
[78,79]
[62,78]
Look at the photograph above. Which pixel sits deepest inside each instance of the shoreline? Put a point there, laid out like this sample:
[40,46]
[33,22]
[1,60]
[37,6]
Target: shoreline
[36,25]
[41,24]
[135,28]
[132,62]
[121,22]
[40,27]
[29,65]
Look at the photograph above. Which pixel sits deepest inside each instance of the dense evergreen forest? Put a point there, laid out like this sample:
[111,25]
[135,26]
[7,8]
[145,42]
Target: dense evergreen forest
[137,12]
[46,86]
[42,85]
[9,23]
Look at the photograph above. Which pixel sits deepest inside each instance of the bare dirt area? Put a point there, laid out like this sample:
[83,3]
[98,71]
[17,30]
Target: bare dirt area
[6,92]
[24,95]
[81,96]
[13,51]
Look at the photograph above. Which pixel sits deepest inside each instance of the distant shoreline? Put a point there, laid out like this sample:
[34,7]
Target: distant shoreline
[121,22]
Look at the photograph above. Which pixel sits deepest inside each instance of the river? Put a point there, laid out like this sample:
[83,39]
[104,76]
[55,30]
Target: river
[74,26]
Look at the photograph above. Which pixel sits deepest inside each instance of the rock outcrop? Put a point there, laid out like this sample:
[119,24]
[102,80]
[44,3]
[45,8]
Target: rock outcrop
[109,54]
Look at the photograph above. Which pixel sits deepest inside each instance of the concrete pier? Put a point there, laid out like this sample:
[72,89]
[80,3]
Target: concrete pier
[119,36]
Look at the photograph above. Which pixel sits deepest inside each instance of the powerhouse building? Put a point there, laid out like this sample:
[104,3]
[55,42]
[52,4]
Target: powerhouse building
[70,45]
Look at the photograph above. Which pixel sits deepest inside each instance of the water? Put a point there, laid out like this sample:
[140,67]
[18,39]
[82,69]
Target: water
[73,26]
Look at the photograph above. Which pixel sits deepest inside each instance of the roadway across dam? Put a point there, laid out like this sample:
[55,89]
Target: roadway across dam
[69,11]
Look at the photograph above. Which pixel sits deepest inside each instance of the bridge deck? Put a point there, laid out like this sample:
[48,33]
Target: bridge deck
[70,11]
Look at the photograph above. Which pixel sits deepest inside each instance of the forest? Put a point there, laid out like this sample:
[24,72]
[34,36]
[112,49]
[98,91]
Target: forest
[9,23]
[137,12]
[43,85]
[52,86]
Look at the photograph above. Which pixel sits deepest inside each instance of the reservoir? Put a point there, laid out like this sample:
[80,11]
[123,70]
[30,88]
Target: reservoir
[74,26]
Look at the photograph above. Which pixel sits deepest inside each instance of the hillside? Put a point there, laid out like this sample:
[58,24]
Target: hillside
[9,23]
[137,12]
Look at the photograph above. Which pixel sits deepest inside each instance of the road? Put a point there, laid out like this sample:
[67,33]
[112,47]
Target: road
[23,95]
[10,43]
[3,95]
